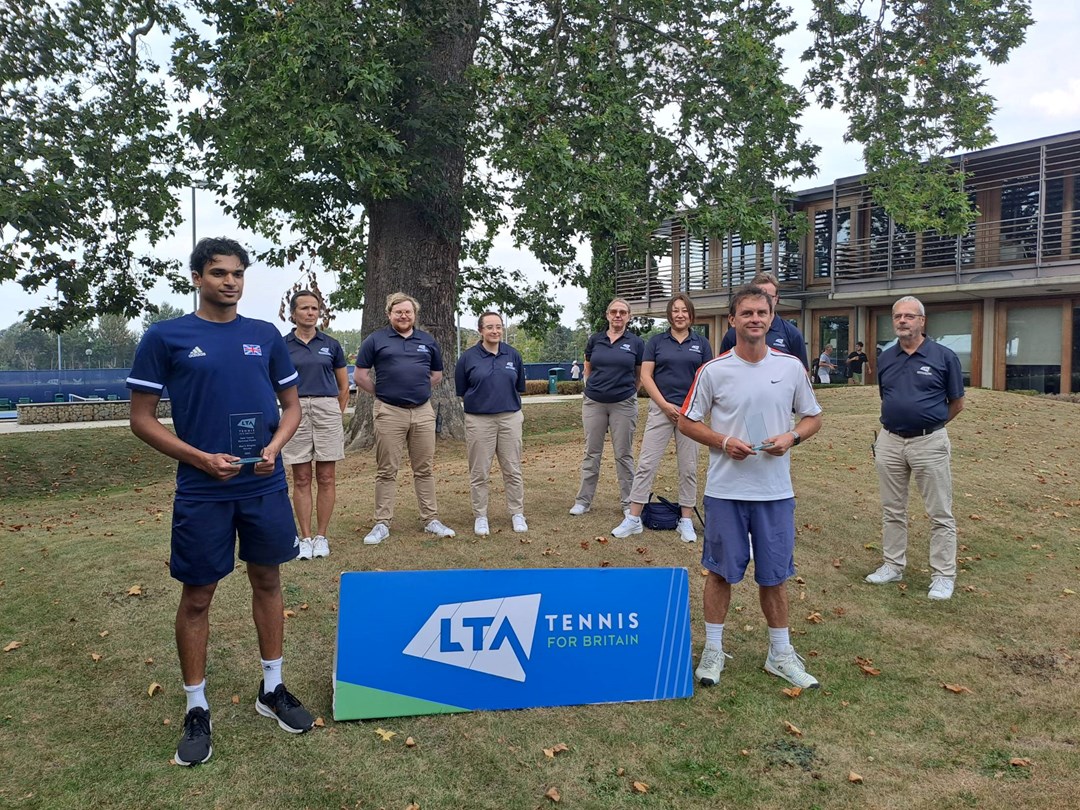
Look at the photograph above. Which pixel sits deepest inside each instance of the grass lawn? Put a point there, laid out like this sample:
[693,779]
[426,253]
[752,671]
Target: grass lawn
[86,593]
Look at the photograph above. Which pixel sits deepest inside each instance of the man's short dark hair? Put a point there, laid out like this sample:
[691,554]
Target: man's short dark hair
[749,291]
[210,247]
[859,343]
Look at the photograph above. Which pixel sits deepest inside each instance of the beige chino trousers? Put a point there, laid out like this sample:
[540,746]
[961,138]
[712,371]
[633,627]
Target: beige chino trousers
[654,443]
[395,430]
[487,436]
[598,419]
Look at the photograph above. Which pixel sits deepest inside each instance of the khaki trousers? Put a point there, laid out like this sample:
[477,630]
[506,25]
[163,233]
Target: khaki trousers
[598,419]
[927,458]
[395,429]
[654,443]
[488,435]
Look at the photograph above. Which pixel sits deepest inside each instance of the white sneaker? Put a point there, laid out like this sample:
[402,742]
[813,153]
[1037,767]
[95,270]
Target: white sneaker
[436,528]
[941,588]
[710,666]
[378,533]
[884,575]
[519,523]
[630,525]
[479,527]
[305,549]
[578,509]
[320,546]
[791,668]
[685,528]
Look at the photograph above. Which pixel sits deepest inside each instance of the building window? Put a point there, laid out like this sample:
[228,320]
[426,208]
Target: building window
[952,329]
[1033,349]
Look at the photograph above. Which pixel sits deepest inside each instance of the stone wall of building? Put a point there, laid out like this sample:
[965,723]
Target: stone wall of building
[47,413]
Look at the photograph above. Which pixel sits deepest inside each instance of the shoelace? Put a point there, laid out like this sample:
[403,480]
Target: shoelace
[196,722]
[284,699]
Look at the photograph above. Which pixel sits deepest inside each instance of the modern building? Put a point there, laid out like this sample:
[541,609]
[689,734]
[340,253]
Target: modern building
[1005,296]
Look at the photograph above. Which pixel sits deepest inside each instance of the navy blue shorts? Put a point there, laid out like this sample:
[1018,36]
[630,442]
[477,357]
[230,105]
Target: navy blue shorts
[730,528]
[204,536]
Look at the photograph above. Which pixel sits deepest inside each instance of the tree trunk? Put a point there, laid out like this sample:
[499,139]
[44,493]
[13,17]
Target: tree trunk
[414,239]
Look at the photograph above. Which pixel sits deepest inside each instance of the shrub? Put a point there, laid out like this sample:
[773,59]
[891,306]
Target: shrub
[533,387]
[571,387]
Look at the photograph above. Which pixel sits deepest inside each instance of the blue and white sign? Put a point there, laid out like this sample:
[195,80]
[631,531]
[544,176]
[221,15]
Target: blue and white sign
[432,642]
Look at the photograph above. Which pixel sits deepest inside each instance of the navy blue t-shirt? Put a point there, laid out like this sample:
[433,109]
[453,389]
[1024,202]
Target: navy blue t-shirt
[402,365]
[676,363]
[783,336]
[316,362]
[490,383]
[613,366]
[916,389]
[219,376]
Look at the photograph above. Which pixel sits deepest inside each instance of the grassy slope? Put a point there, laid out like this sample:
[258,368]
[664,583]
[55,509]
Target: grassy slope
[85,516]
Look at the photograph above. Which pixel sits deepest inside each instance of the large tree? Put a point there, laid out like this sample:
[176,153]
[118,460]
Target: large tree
[388,141]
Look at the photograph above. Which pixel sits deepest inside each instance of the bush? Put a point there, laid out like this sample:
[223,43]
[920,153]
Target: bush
[533,387]
[571,387]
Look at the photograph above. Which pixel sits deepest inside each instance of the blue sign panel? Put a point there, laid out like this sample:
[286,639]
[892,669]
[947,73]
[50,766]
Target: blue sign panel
[430,642]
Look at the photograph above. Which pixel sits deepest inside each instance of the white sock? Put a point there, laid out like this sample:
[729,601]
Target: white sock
[271,674]
[779,640]
[714,635]
[196,696]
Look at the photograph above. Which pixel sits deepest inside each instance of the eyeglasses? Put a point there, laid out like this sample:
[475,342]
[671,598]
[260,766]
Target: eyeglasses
[401,312]
[618,312]
[492,327]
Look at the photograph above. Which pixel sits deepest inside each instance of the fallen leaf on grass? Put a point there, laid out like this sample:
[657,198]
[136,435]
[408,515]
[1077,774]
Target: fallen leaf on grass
[744,752]
[585,544]
[640,787]
[409,741]
[148,661]
[602,540]
[412,806]
[642,550]
[385,735]
[975,517]
[1068,592]
[12,645]
[154,689]
[236,700]
[304,606]
[103,633]
[558,748]
[792,691]
[135,590]
[836,562]
[854,778]
[289,614]
[956,688]
[553,794]
[792,729]
[1020,762]
[815,618]
[620,771]
[96,657]
[869,670]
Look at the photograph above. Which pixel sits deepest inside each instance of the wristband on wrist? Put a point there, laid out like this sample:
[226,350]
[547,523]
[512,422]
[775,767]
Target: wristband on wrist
[723,446]
[798,438]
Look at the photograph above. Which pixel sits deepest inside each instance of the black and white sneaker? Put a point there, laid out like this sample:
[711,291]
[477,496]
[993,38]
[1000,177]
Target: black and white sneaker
[195,747]
[283,706]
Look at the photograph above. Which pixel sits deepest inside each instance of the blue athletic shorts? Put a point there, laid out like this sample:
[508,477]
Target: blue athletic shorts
[730,528]
[204,535]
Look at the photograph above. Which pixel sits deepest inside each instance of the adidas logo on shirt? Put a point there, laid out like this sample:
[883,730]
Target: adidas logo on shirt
[196,352]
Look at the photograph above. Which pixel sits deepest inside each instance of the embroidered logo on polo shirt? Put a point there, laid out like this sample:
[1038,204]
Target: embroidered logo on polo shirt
[695,347]
[779,342]
[253,350]
[926,371]
[422,348]
[510,365]
[196,352]
[626,347]
[324,350]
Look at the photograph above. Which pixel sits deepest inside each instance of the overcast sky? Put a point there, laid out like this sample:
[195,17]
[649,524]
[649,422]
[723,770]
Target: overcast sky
[1037,93]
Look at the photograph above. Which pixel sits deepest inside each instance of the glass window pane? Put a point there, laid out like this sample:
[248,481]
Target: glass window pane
[1033,349]
[952,329]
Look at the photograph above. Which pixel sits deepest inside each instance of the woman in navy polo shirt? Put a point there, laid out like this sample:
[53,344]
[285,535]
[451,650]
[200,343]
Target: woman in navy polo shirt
[612,371]
[672,359]
[324,395]
[490,379]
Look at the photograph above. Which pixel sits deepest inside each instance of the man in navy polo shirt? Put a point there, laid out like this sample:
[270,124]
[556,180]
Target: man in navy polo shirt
[407,363]
[783,335]
[226,376]
[922,389]
[490,378]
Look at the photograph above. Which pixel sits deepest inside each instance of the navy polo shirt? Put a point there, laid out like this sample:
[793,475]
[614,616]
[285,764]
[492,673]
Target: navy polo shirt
[612,366]
[782,336]
[316,362]
[490,383]
[916,388]
[402,365]
[676,363]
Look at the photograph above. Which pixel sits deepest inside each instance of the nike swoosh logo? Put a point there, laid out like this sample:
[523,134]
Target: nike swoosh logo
[774,382]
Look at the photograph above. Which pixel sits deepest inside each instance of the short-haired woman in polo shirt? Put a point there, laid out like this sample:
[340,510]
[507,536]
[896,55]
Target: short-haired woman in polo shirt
[671,361]
[612,372]
[324,395]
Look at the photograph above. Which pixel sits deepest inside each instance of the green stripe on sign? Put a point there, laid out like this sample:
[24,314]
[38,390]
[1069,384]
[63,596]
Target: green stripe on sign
[355,702]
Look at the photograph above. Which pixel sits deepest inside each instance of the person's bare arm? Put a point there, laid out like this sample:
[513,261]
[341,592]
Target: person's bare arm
[342,377]
[955,406]
[436,378]
[145,425]
[362,378]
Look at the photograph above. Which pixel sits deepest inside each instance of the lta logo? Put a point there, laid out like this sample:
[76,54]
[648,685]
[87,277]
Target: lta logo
[494,636]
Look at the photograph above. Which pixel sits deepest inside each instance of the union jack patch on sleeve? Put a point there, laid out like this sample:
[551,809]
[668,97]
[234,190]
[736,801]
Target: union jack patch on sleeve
[253,349]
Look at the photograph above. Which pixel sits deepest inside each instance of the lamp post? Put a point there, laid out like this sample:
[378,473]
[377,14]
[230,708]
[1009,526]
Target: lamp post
[194,239]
